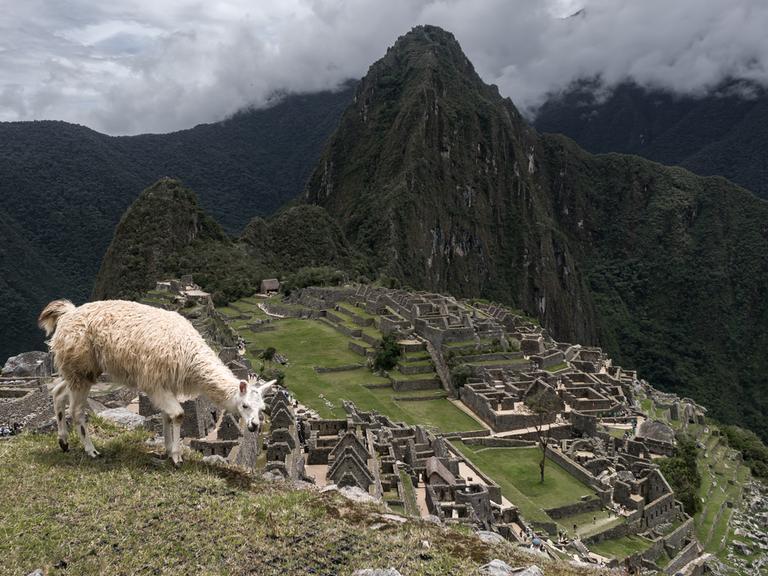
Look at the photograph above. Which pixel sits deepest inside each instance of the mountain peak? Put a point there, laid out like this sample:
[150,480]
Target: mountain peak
[426,48]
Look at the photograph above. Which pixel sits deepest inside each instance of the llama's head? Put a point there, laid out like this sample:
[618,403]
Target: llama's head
[250,402]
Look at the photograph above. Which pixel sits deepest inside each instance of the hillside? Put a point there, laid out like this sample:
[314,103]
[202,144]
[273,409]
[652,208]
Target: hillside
[722,133]
[127,514]
[66,186]
[166,233]
[440,183]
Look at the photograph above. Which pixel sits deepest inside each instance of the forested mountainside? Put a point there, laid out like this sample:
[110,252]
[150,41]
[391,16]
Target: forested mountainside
[165,233]
[439,181]
[64,188]
[721,133]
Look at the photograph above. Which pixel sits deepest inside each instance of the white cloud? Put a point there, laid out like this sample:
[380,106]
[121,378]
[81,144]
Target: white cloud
[134,66]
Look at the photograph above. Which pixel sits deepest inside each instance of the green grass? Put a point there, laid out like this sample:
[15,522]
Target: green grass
[410,504]
[355,310]
[557,367]
[621,547]
[310,343]
[589,523]
[516,470]
[127,513]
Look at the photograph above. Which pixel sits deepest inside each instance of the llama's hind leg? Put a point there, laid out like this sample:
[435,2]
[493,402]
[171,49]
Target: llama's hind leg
[60,394]
[78,397]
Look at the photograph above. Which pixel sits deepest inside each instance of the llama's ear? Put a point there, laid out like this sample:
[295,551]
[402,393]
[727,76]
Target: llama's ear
[243,386]
[264,388]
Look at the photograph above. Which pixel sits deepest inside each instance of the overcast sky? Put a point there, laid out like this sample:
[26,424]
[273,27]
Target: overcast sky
[125,67]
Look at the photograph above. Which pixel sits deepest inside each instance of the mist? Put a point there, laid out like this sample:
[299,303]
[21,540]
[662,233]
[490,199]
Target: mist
[131,67]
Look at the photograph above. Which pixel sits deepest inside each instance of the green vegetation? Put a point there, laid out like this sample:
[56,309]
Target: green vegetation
[410,504]
[752,449]
[129,513]
[682,473]
[65,187]
[517,472]
[621,547]
[387,353]
[309,343]
[714,134]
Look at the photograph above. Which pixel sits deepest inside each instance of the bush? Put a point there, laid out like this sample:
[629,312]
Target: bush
[387,354]
[683,475]
[312,276]
[274,374]
[752,449]
[460,375]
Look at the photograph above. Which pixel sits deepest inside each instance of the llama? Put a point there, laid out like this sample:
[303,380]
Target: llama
[155,351]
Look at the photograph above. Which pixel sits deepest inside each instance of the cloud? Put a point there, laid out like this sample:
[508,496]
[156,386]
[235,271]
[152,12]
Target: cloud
[136,66]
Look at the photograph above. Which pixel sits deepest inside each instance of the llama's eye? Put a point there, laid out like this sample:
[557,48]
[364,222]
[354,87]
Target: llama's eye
[246,406]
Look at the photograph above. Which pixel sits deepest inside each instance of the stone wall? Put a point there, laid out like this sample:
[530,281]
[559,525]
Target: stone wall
[495,442]
[589,505]
[576,470]
[687,554]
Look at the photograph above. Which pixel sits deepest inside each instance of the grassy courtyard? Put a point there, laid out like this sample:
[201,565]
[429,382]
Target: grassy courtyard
[516,470]
[310,343]
[621,547]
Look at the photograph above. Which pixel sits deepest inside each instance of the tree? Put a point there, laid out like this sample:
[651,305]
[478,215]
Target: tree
[387,353]
[268,356]
[543,402]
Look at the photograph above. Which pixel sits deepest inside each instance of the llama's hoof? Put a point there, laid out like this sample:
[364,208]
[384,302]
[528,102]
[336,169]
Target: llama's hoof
[177,461]
[94,453]
[64,445]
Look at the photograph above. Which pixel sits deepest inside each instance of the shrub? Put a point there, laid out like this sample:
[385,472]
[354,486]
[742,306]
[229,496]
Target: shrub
[387,353]
[683,475]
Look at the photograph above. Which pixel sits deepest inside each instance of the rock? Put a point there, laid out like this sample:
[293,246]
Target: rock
[271,476]
[38,572]
[350,492]
[123,417]
[433,519]
[393,518]
[497,568]
[95,406]
[376,572]
[656,430]
[490,537]
[33,363]
[215,460]
[356,494]
[532,570]
[248,451]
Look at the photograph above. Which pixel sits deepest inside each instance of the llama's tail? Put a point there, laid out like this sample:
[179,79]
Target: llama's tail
[50,315]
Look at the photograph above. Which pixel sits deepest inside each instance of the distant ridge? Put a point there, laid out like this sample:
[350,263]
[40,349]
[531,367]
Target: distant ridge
[65,187]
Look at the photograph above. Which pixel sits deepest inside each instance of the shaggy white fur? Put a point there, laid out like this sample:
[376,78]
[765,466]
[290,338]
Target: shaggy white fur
[155,351]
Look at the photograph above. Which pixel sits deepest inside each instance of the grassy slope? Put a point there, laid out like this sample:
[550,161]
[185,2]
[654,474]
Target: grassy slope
[309,343]
[127,514]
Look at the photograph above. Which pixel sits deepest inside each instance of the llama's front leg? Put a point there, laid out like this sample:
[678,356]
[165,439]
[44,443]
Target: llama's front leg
[60,394]
[78,398]
[167,434]
[173,414]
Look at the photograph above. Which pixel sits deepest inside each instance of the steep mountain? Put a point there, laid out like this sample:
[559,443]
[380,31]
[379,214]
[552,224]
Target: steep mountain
[66,186]
[439,181]
[436,178]
[165,233]
[721,133]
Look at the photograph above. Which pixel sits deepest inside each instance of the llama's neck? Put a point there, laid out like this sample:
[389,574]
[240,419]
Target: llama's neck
[216,382]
